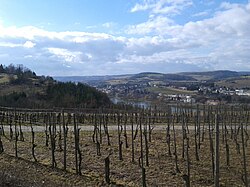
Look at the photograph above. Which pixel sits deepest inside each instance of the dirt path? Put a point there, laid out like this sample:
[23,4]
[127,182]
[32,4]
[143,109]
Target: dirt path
[37,128]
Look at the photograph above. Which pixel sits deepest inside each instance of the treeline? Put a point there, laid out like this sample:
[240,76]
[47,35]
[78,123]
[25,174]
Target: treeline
[15,99]
[65,95]
[17,70]
[19,74]
[75,95]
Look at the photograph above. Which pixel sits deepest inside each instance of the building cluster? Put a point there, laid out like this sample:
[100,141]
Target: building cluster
[223,90]
[176,98]
[203,92]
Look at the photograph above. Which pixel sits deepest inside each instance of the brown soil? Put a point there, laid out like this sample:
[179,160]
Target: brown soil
[161,171]
[17,172]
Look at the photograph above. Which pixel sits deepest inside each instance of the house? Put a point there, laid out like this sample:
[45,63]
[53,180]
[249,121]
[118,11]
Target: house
[212,102]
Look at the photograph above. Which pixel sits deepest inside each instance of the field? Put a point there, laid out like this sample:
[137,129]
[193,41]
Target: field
[236,83]
[170,147]
[170,91]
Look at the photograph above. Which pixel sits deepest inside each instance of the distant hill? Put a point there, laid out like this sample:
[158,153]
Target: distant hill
[242,82]
[162,77]
[141,77]
[20,87]
[154,76]
[89,79]
[214,75]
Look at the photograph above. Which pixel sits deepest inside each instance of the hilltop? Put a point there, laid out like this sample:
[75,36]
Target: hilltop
[21,87]
[214,75]
[154,76]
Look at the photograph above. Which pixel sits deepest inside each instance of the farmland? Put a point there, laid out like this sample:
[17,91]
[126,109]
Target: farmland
[193,145]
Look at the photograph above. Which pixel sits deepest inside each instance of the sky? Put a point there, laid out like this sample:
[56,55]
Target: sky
[109,37]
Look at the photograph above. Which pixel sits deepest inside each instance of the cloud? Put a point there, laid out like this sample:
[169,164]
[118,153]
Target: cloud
[170,7]
[9,44]
[29,44]
[108,25]
[201,14]
[50,52]
[66,55]
[221,41]
[229,23]
[153,25]
[218,42]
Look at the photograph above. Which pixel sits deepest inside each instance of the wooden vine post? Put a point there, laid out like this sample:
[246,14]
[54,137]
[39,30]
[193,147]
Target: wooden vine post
[145,133]
[1,143]
[76,155]
[33,142]
[168,137]
[217,155]
[244,156]
[107,169]
[52,132]
[119,126]
[65,132]
[175,149]
[186,177]
[132,137]
[20,129]
[211,141]
[196,127]
[16,133]
[2,121]
[141,162]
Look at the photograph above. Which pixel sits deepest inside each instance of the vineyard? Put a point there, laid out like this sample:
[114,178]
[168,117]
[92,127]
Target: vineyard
[186,145]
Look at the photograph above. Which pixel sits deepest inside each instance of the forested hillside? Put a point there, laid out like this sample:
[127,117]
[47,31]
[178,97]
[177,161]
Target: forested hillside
[21,87]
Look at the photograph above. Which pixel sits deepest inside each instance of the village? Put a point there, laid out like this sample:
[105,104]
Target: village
[191,93]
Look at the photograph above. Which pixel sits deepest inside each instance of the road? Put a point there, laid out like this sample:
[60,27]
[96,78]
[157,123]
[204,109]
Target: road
[37,128]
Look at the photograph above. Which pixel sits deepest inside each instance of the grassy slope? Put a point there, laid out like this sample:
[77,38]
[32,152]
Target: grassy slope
[29,88]
[215,75]
[236,83]
[37,93]
[117,81]
[4,78]
[169,91]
